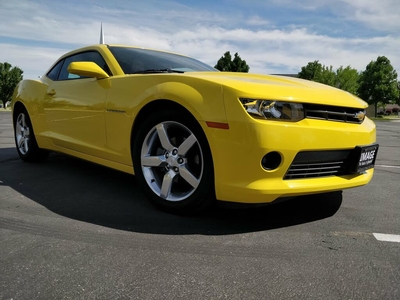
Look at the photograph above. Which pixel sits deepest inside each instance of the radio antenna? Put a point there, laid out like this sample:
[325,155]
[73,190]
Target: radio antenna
[101,34]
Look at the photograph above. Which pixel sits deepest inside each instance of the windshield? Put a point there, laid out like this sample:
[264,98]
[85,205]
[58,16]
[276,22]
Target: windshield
[134,60]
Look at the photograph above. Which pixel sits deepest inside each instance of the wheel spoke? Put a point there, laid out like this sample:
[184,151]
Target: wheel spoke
[187,144]
[26,145]
[23,120]
[189,177]
[164,139]
[21,141]
[167,184]
[153,161]
[19,125]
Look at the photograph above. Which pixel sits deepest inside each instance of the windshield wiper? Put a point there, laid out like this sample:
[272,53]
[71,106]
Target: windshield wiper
[148,71]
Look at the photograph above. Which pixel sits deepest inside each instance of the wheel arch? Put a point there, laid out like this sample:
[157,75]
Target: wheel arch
[18,107]
[163,105]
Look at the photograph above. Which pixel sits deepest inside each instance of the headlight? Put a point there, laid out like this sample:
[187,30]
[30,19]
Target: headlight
[273,110]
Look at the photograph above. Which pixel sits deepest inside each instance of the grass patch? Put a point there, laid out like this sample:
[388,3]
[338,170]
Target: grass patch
[386,118]
[380,119]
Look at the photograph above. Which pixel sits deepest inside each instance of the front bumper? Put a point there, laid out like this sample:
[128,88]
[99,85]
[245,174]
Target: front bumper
[238,151]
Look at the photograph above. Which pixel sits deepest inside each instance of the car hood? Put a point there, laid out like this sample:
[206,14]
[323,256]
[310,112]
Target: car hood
[282,88]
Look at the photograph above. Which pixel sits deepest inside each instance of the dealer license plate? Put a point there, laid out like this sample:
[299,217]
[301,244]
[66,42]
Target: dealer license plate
[366,157]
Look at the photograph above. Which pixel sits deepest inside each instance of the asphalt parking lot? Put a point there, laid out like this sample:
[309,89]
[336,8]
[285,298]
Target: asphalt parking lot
[73,230]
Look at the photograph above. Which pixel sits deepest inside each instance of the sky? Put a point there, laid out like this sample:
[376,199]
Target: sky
[273,36]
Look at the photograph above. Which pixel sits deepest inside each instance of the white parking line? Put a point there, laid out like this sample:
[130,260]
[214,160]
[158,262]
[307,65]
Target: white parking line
[386,166]
[387,237]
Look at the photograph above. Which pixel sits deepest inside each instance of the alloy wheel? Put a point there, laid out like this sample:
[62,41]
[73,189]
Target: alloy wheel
[172,161]
[22,133]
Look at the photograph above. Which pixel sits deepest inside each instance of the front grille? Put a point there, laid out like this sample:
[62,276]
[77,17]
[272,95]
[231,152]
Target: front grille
[311,164]
[332,113]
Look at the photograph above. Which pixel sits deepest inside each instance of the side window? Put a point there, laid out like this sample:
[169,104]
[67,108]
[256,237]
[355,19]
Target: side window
[85,56]
[53,73]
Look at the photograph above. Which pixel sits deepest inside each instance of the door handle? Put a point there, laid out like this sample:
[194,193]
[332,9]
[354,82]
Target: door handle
[52,92]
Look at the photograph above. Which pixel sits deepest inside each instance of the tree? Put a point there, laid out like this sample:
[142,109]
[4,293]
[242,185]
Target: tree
[9,78]
[398,98]
[343,78]
[312,71]
[378,83]
[226,64]
[327,76]
[347,79]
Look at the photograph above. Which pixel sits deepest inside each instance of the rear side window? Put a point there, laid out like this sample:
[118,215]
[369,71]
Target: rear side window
[53,73]
[60,71]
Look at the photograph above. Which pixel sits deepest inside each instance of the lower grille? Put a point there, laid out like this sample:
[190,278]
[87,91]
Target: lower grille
[313,164]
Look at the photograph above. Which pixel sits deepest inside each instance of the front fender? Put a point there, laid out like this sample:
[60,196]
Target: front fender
[128,96]
[205,104]
[203,99]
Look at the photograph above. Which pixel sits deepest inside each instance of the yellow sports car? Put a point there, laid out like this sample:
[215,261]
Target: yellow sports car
[192,134]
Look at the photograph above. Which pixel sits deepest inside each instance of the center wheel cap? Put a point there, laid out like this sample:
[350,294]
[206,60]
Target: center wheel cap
[172,160]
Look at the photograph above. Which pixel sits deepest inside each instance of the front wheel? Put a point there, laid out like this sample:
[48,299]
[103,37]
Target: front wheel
[173,163]
[25,140]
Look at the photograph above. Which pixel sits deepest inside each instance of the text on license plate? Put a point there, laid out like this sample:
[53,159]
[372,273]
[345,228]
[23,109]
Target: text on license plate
[367,157]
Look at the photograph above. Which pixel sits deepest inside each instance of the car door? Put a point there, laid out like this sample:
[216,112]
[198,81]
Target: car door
[75,107]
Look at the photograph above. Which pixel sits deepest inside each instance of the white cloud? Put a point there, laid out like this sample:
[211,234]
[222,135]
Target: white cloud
[34,61]
[304,4]
[204,34]
[380,15]
[257,21]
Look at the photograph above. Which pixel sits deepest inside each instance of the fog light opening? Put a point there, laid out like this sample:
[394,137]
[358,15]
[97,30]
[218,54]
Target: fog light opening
[271,161]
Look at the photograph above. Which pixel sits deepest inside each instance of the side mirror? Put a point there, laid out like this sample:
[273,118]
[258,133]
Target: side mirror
[87,69]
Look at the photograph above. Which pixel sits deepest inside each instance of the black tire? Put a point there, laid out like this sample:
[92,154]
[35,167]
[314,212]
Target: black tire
[173,163]
[25,140]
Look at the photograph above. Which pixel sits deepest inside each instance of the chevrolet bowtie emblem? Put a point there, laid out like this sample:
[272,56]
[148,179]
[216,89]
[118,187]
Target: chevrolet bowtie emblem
[360,115]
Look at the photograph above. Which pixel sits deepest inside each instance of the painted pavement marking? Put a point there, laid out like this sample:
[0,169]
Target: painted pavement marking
[387,237]
[387,166]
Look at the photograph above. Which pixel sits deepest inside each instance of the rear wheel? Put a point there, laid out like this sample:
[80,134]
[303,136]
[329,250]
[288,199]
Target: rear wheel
[25,141]
[173,163]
